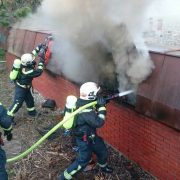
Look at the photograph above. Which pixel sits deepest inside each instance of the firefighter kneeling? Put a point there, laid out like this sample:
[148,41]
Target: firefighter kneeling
[84,128]
[6,125]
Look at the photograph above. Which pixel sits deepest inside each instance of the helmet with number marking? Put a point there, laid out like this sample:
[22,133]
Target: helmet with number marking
[89,90]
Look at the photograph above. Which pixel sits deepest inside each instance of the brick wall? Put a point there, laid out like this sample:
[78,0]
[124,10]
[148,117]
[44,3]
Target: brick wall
[55,87]
[154,146]
[147,142]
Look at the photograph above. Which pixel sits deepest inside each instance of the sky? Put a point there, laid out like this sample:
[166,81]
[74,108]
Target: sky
[165,9]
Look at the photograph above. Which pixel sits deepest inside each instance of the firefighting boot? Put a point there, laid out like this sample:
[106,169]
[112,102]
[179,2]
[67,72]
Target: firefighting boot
[33,114]
[107,169]
[61,177]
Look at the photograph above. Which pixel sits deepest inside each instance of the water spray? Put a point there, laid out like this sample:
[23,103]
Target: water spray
[119,94]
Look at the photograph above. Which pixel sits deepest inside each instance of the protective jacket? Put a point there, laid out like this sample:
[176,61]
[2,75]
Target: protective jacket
[23,84]
[5,120]
[23,75]
[88,120]
[27,74]
[6,125]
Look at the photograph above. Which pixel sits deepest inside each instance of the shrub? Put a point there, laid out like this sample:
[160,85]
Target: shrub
[22,12]
[4,22]
[2,53]
[3,13]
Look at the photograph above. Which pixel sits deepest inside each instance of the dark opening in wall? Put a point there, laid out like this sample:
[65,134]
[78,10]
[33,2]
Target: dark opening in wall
[110,85]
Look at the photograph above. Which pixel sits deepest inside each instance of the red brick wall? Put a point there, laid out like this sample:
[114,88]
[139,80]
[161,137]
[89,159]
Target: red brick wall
[149,143]
[55,87]
[154,146]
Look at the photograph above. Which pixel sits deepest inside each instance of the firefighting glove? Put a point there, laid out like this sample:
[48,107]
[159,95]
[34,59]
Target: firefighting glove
[39,46]
[45,47]
[8,134]
[41,53]
[37,49]
[101,101]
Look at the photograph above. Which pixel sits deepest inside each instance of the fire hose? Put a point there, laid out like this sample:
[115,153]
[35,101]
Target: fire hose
[41,140]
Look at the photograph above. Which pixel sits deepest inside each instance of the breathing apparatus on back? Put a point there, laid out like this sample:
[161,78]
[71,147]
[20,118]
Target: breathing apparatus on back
[15,69]
[70,107]
[88,91]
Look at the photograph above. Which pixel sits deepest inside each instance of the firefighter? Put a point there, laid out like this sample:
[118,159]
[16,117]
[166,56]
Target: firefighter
[84,129]
[6,125]
[22,73]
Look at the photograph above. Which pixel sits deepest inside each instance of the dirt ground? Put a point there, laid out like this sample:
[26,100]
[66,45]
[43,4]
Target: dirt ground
[52,156]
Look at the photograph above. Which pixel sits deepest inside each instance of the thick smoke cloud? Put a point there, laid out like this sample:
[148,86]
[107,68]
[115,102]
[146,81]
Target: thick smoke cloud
[95,40]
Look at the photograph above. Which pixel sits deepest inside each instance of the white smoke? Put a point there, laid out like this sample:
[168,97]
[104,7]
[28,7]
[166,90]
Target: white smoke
[95,40]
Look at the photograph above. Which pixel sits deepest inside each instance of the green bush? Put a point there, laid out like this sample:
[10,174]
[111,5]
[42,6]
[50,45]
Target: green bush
[22,12]
[3,13]
[4,22]
[13,11]
[2,53]
[4,17]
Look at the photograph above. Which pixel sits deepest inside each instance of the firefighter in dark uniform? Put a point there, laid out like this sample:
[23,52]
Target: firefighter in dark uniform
[23,72]
[6,125]
[84,130]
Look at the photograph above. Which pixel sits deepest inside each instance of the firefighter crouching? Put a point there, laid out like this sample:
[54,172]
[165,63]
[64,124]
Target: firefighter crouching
[22,73]
[6,125]
[84,129]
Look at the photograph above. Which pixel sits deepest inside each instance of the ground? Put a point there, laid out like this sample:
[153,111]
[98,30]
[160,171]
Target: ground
[53,155]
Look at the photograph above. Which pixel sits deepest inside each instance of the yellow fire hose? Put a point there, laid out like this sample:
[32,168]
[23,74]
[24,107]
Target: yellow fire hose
[35,145]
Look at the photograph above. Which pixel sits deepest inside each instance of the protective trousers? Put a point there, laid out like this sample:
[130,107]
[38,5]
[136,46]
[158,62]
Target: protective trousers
[21,95]
[86,148]
[3,173]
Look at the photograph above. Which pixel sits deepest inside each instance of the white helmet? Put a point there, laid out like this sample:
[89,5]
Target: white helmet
[89,90]
[27,59]
[71,101]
